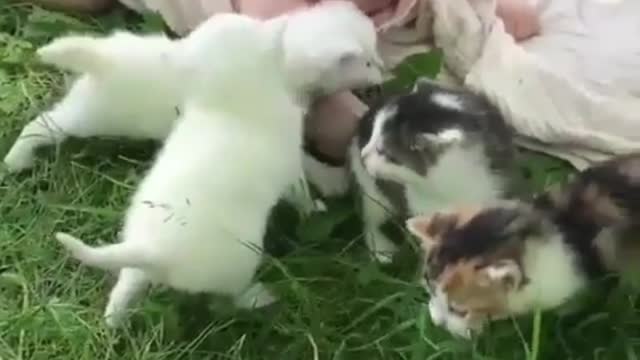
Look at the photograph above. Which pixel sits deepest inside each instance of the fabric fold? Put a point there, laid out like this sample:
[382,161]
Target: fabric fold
[555,90]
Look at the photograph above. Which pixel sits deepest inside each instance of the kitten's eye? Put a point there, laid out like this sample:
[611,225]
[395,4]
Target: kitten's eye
[368,63]
[457,310]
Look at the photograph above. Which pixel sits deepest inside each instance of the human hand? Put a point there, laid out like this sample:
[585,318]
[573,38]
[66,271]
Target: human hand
[520,18]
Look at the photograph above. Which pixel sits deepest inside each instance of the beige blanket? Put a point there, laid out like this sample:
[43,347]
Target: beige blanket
[573,91]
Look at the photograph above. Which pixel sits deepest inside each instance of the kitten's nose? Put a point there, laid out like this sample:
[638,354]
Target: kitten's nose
[437,316]
[366,151]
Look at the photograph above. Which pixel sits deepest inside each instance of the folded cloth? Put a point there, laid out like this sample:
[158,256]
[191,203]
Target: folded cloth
[182,15]
[573,91]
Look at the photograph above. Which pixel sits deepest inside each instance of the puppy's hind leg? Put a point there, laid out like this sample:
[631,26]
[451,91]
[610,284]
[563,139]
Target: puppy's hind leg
[75,115]
[41,131]
[131,283]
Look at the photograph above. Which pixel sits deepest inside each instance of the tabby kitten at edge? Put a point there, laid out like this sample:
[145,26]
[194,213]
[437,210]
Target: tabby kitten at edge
[489,262]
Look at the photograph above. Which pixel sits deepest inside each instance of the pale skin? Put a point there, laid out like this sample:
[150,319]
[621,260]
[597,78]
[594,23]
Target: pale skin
[336,121]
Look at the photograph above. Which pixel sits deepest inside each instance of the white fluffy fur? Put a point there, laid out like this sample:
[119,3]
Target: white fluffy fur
[461,175]
[127,88]
[113,97]
[552,273]
[197,221]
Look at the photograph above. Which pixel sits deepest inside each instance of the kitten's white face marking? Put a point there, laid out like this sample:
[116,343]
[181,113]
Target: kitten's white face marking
[377,165]
[448,101]
[376,134]
[449,136]
[437,311]
[374,162]
[380,168]
[445,137]
[441,316]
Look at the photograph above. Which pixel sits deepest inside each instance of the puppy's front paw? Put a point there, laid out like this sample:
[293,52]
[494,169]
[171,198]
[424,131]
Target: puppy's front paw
[114,320]
[16,161]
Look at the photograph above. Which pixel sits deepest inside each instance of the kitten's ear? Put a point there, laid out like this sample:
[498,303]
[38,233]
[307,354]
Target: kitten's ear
[506,273]
[430,229]
[557,196]
[524,222]
[75,53]
[422,83]
[420,227]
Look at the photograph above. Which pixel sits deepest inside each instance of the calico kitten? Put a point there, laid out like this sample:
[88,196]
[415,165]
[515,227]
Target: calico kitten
[424,150]
[197,220]
[511,258]
[128,88]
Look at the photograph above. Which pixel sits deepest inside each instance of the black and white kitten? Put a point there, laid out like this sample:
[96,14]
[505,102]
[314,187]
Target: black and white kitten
[510,258]
[426,149]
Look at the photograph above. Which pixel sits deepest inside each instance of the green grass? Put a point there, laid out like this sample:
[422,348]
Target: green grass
[336,304]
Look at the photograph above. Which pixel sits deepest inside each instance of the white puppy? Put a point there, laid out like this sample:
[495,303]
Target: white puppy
[197,221]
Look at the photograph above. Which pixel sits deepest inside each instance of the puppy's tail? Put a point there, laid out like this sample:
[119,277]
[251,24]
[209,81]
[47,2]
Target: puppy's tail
[81,54]
[110,257]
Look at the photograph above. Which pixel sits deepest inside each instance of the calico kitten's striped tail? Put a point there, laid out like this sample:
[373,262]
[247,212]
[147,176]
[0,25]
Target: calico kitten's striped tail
[111,257]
